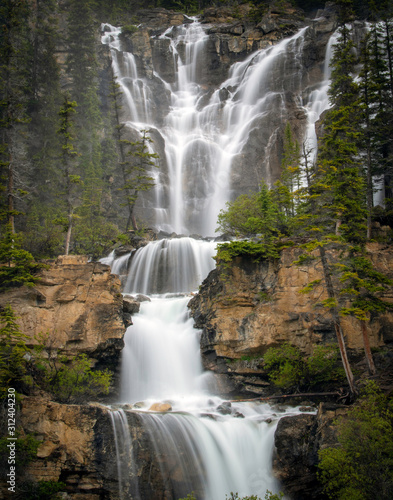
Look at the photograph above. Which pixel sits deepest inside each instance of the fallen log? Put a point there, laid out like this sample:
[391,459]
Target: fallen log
[283,396]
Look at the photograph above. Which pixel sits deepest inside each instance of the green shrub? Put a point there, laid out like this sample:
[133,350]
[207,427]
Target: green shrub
[69,379]
[226,252]
[43,490]
[288,367]
[26,447]
[268,496]
[361,468]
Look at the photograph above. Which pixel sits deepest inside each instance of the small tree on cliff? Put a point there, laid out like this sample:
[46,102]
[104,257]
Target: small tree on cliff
[17,266]
[136,164]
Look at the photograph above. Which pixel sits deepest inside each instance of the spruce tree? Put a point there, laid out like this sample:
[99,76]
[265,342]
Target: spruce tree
[17,266]
[12,351]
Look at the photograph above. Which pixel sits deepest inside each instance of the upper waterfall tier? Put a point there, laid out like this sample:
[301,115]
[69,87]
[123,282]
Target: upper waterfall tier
[214,141]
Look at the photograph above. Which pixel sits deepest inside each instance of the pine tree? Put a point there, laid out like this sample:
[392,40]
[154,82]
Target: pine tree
[17,266]
[340,169]
[287,188]
[93,234]
[334,208]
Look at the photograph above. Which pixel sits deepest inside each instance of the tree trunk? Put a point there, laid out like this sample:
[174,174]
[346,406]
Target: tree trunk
[336,321]
[10,196]
[68,237]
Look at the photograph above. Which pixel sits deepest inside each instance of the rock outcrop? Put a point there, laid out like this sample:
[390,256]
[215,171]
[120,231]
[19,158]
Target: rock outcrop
[297,442]
[78,304]
[248,307]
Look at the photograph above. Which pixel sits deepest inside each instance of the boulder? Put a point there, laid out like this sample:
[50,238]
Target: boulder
[160,407]
[131,305]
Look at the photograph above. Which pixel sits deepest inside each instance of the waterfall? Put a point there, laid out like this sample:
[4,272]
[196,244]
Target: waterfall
[128,486]
[170,266]
[161,356]
[205,135]
[318,102]
[201,443]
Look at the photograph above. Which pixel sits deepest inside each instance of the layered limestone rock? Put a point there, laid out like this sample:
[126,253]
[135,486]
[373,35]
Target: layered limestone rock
[78,304]
[248,307]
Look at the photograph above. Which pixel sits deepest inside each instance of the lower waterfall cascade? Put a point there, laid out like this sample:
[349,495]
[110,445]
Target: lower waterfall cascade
[201,443]
[218,447]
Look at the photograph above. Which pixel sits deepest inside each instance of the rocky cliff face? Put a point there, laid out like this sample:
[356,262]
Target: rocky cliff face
[247,308]
[78,304]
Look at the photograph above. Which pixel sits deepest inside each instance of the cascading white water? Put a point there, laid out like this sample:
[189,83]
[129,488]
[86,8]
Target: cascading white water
[202,447]
[203,137]
[128,486]
[216,456]
[170,266]
[161,357]
[318,102]
[203,444]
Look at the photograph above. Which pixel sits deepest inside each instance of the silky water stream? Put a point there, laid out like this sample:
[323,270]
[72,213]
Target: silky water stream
[203,444]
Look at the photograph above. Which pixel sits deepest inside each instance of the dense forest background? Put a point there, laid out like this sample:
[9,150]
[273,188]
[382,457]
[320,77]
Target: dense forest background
[60,147]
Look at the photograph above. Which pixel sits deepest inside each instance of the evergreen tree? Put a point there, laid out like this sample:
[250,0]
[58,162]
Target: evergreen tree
[287,188]
[334,208]
[340,169]
[94,234]
[12,351]
[17,266]
[136,166]
[361,467]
